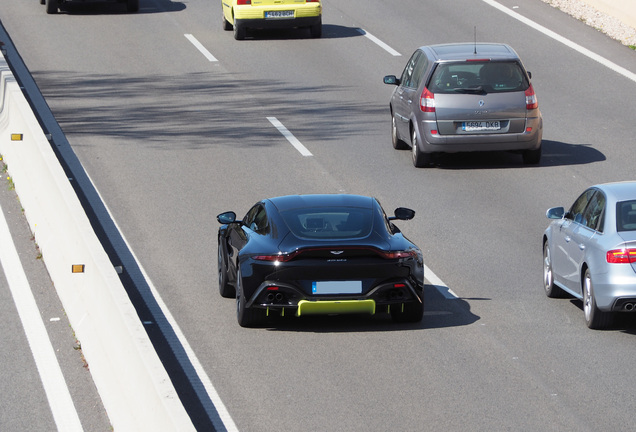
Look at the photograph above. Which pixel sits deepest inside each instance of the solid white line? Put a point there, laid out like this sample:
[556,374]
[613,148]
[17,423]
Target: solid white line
[291,138]
[57,393]
[613,66]
[223,414]
[200,47]
[437,283]
[379,42]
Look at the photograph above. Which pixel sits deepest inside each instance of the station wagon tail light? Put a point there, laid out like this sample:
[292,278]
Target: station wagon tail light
[531,99]
[427,101]
[621,256]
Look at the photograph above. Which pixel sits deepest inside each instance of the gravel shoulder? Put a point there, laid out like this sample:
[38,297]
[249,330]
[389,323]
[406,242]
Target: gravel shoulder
[601,21]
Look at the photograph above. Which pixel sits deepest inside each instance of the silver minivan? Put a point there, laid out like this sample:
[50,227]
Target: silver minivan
[462,98]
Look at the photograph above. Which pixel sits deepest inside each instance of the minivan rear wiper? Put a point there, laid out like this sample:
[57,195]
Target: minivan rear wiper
[476,90]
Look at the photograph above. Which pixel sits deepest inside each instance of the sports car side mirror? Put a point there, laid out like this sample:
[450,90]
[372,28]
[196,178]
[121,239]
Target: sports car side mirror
[403,213]
[226,218]
[555,213]
[391,79]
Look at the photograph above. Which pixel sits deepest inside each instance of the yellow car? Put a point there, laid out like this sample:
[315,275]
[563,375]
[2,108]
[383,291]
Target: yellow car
[241,15]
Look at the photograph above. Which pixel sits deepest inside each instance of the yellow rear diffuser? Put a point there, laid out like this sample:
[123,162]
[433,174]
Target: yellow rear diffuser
[306,307]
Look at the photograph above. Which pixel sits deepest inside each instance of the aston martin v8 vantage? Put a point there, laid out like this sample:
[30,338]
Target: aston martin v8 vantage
[319,254]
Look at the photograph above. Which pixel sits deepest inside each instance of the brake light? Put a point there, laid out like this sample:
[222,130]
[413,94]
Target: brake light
[280,257]
[397,254]
[243,2]
[621,256]
[531,99]
[427,101]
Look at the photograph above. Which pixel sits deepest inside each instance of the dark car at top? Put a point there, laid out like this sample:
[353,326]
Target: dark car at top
[465,97]
[319,254]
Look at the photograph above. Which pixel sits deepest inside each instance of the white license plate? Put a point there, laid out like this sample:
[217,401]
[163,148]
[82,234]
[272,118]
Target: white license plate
[336,287]
[475,126]
[279,14]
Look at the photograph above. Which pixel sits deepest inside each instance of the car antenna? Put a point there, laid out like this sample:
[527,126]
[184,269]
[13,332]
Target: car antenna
[475,37]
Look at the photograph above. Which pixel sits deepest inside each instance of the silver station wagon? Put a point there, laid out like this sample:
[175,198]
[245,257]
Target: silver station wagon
[462,98]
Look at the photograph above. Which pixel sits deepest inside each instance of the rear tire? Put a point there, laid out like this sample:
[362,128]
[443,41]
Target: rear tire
[420,159]
[594,317]
[245,316]
[398,144]
[532,157]
[132,6]
[225,289]
[407,312]
[52,6]
[551,290]
[239,30]
[316,30]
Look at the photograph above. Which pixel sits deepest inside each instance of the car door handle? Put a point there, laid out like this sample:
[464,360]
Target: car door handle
[581,246]
[410,101]
[567,239]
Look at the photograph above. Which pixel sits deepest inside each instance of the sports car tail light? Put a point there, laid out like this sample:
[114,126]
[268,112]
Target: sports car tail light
[621,256]
[280,257]
[427,101]
[349,252]
[397,254]
[531,99]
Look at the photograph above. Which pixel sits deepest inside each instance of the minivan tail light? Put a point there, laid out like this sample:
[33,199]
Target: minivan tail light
[427,101]
[621,256]
[531,99]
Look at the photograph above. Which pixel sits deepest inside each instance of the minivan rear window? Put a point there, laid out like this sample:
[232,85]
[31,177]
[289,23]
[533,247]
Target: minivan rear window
[478,77]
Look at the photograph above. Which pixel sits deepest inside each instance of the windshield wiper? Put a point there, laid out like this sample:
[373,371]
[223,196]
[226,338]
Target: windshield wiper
[476,90]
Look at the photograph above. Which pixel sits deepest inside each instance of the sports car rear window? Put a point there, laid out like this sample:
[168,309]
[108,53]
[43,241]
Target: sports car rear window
[478,77]
[329,223]
[626,216]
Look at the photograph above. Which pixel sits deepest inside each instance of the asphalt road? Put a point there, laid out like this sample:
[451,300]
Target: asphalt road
[171,139]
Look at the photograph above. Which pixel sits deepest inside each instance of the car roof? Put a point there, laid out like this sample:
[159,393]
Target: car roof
[289,202]
[466,51]
[619,191]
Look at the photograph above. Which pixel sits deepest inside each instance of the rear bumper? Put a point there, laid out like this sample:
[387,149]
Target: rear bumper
[279,23]
[288,299]
[615,291]
[436,143]
[255,16]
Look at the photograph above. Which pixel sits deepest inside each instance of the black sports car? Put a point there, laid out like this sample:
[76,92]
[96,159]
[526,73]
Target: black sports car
[319,254]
